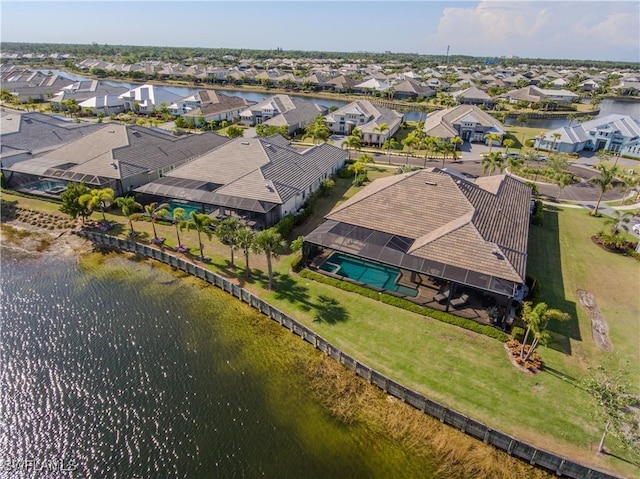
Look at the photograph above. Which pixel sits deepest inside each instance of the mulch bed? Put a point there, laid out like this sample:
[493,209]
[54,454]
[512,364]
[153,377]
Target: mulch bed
[599,327]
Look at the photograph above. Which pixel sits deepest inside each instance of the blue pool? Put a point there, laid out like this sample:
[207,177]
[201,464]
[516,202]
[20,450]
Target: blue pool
[188,207]
[373,274]
[48,186]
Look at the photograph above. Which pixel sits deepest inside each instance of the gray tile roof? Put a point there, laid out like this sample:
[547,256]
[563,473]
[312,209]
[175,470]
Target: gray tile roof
[132,149]
[33,132]
[260,169]
[441,124]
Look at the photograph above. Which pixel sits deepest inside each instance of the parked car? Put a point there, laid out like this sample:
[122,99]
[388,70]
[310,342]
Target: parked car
[636,228]
[541,158]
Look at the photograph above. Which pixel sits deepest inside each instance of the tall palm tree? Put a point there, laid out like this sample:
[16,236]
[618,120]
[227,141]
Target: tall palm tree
[388,145]
[227,233]
[605,181]
[492,162]
[179,214]
[199,222]
[155,210]
[352,142]
[556,137]
[492,137]
[455,141]
[381,128]
[97,198]
[244,241]
[428,143]
[409,142]
[129,206]
[508,143]
[447,148]
[272,245]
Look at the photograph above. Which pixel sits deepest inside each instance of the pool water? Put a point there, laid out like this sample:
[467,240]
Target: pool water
[373,274]
[48,186]
[188,207]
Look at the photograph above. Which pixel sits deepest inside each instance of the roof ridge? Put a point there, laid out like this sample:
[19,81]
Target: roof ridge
[451,226]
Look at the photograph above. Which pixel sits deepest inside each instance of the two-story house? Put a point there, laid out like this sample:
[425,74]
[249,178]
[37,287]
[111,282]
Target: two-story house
[466,121]
[366,117]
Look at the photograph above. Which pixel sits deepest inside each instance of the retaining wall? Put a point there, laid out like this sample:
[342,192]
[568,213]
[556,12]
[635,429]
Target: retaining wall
[559,465]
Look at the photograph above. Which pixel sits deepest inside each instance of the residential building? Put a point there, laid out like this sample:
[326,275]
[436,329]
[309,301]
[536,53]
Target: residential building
[280,110]
[25,135]
[259,180]
[366,117]
[614,133]
[210,105]
[98,96]
[147,98]
[411,89]
[437,229]
[474,96]
[466,121]
[117,156]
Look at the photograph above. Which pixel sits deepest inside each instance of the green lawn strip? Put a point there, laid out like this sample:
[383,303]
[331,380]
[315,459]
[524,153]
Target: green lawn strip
[517,133]
[459,368]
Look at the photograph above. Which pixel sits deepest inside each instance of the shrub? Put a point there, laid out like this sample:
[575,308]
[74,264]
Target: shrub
[344,173]
[518,333]
[537,218]
[408,305]
[285,225]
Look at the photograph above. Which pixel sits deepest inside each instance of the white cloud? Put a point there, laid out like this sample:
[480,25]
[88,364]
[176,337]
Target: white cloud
[585,30]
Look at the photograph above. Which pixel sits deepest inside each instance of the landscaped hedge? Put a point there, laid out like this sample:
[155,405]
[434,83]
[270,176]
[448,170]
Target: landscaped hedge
[408,305]
[537,218]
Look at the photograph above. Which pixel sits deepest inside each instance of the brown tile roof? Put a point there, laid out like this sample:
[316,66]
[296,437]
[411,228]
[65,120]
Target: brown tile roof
[479,227]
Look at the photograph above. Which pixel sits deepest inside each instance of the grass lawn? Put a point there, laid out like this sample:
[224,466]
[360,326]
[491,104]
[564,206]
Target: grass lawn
[462,369]
[520,134]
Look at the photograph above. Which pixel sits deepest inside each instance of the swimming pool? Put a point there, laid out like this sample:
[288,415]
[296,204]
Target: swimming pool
[373,274]
[188,207]
[48,186]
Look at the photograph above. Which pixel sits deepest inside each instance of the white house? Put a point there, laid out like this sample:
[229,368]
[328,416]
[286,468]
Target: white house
[368,118]
[147,98]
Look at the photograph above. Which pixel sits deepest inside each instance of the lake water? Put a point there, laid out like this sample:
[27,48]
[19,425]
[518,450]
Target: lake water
[123,370]
[607,106]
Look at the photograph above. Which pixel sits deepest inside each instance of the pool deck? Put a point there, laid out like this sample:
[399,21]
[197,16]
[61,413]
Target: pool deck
[427,290]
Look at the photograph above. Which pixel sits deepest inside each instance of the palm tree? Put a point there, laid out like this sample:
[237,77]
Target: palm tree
[605,181]
[492,162]
[227,233]
[388,145]
[537,319]
[514,162]
[155,210]
[129,206]
[508,143]
[352,142]
[447,148]
[429,144]
[366,158]
[272,245]
[97,198]
[556,137]
[199,222]
[492,137]
[179,214]
[381,128]
[244,241]
[618,220]
[409,142]
[455,141]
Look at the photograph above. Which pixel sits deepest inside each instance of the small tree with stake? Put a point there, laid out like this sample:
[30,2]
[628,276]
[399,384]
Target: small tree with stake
[613,405]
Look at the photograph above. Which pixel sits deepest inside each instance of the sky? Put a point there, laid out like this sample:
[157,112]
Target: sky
[586,29]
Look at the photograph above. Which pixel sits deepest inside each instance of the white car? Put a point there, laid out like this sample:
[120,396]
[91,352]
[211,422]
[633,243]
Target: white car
[636,228]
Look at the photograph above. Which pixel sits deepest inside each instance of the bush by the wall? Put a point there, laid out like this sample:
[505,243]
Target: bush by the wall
[408,305]
[537,218]
[344,173]
[285,225]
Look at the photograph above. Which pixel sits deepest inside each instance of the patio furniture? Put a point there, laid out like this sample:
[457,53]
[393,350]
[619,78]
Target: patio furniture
[461,301]
[442,297]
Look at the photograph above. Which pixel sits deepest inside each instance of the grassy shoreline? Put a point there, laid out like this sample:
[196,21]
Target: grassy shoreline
[461,369]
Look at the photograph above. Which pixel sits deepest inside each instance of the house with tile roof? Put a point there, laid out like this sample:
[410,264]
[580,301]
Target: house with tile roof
[117,156]
[466,121]
[464,236]
[534,94]
[210,105]
[25,135]
[32,85]
[474,96]
[259,180]
[147,98]
[98,96]
[410,88]
[615,133]
[366,117]
[282,110]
